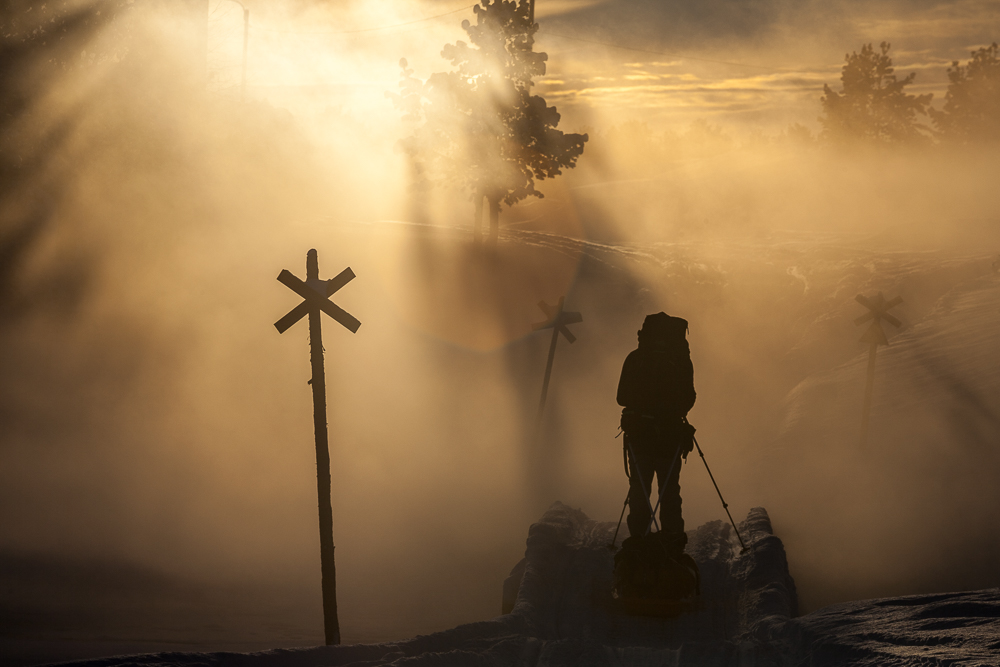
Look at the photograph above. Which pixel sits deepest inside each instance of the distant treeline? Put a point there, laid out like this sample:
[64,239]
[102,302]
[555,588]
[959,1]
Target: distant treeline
[873,106]
[872,109]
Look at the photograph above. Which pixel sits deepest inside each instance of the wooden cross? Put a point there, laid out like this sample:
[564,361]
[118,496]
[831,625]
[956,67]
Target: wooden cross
[557,321]
[878,309]
[315,294]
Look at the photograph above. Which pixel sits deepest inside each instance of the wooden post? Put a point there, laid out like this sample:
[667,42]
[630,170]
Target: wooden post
[315,293]
[327,565]
[878,309]
[558,319]
[866,411]
[548,367]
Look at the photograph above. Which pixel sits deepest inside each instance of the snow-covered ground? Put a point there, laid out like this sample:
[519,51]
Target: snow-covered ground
[564,616]
[942,629]
[780,375]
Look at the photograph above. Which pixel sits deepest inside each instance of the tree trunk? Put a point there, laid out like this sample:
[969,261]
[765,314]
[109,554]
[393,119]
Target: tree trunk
[494,221]
[477,221]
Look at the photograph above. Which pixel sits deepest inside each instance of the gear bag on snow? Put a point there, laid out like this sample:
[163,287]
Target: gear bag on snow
[651,579]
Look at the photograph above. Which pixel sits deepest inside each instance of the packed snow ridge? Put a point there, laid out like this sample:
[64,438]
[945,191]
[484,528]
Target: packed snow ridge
[563,614]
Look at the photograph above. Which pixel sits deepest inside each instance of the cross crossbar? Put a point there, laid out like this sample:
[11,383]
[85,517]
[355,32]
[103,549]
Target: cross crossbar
[316,299]
[878,309]
[558,319]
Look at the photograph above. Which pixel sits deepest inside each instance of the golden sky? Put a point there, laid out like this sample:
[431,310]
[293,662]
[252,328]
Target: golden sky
[740,64]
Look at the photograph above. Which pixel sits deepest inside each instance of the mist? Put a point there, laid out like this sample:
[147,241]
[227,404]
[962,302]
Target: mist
[153,417]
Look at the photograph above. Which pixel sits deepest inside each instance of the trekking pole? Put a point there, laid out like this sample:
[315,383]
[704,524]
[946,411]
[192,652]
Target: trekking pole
[642,484]
[652,512]
[615,538]
[724,505]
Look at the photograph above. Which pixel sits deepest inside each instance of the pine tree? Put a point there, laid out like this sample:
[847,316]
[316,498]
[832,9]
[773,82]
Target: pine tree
[873,106]
[479,124]
[971,113]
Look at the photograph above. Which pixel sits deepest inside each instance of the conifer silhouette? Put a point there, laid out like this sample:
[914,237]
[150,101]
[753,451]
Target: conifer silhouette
[873,106]
[971,113]
[479,124]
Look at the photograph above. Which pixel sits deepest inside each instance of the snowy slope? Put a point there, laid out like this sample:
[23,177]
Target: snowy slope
[780,376]
[942,629]
[919,503]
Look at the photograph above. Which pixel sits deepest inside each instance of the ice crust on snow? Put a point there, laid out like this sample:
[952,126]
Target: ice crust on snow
[942,629]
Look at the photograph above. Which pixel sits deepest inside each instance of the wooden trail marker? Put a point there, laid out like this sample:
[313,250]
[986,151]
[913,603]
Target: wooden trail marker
[557,321]
[878,309]
[316,293]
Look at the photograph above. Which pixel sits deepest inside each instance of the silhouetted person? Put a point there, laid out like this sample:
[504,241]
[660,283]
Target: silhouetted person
[656,391]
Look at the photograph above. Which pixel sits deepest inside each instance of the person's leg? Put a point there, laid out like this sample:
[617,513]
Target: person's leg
[641,468]
[668,470]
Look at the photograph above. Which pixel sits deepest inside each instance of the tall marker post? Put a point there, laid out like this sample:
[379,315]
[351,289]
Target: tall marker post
[878,309]
[557,321]
[316,293]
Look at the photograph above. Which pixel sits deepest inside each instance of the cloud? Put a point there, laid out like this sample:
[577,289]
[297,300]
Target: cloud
[783,51]
[650,23]
[559,7]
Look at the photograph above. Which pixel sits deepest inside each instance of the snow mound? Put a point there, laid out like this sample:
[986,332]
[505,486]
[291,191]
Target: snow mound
[565,592]
[941,629]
